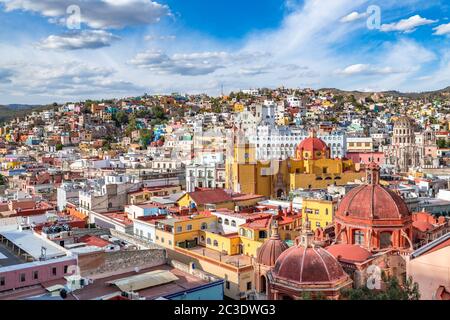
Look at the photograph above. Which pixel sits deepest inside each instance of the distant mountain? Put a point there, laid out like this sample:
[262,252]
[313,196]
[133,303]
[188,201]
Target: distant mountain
[22,106]
[412,95]
[9,112]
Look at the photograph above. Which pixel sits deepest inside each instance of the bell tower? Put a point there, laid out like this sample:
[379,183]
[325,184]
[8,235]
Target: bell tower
[373,174]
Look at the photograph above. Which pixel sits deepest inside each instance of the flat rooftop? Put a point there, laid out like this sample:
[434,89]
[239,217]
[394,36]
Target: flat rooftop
[7,258]
[103,287]
[32,244]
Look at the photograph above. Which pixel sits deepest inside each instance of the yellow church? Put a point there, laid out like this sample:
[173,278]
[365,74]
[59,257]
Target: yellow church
[312,168]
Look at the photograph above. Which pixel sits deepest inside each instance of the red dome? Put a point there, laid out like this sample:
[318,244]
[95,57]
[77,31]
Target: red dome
[308,265]
[269,252]
[349,252]
[312,144]
[371,202]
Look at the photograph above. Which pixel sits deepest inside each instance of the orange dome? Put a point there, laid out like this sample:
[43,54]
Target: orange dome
[371,202]
[312,146]
[269,252]
[308,265]
[349,252]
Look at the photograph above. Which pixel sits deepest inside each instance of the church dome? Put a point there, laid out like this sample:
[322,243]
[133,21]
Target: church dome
[404,122]
[372,201]
[308,265]
[269,252]
[312,148]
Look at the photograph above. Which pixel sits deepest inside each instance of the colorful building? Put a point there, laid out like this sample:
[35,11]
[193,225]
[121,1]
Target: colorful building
[319,212]
[312,168]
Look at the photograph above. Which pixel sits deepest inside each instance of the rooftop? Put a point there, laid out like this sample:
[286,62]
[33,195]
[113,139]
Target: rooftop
[32,244]
[179,281]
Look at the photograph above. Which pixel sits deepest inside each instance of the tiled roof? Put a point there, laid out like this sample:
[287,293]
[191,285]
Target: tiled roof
[209,196]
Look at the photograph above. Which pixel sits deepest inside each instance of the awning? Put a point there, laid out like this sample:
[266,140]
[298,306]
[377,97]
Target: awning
[143,281]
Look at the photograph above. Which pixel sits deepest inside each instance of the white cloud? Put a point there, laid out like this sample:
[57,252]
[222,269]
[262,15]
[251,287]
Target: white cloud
[355,15]
[367,69]
[97,14]
[407,25]
[86,39]
[443,29]
[162,38]
[190,64]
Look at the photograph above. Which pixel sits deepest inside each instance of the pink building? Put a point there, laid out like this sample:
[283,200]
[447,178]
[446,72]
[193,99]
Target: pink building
[367,157]
[36,273]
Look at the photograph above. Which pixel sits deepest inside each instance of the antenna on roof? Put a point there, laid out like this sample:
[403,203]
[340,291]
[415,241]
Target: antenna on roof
[43,256]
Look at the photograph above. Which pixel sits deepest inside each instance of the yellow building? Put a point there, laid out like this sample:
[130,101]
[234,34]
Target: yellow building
[312,168]
[319,212]
[238,107]
[182,231]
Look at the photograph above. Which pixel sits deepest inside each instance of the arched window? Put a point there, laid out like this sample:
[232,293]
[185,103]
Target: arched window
[233,223]
[227,222]
[219,220]
[216,243]
[204,226]
[242,232]
[208,241]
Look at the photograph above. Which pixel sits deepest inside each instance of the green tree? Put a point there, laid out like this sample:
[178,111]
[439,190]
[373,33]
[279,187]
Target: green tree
[121,117]
[393,291]
[59,146]
[2,180]
[146,137]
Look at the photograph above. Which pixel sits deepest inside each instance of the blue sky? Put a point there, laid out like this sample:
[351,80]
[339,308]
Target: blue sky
[131,47]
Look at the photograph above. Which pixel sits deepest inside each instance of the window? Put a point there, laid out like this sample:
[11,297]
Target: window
[208,241]
[262,234]
[326,211]
[385,240]
[157,237]
[2,281]
[162,240]
[358,236]
[35,275]
[189,227]
[216,243]
[316,211]
[219,220]
[179,228]
[66,268]
[233,223]
[249,285]
[54,271]
[318,224]
[227,285]
[22,277]
[204,226]
[170,242]
[227,222]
